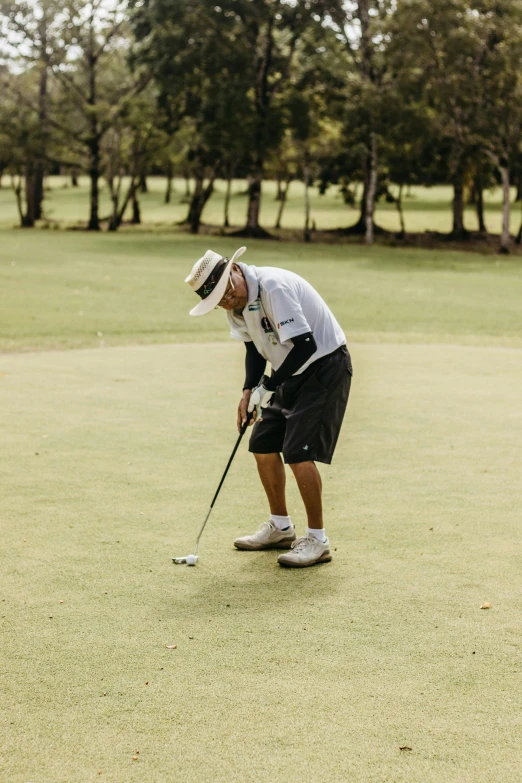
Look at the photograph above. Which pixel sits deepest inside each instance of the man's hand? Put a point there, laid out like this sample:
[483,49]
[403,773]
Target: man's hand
[259,399]
[242,410]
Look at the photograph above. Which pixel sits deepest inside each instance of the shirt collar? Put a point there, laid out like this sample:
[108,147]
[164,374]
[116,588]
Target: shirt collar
[250,275]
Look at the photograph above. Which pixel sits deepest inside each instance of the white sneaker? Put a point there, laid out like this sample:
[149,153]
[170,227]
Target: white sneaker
[306,551]
[267,537]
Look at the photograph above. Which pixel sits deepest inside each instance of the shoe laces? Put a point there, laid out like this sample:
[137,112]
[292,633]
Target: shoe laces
[300,543]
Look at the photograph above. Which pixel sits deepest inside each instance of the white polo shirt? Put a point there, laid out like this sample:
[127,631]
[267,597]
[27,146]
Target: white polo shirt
[282,305]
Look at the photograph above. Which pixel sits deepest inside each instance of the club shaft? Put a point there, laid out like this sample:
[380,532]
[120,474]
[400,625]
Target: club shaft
[241,433]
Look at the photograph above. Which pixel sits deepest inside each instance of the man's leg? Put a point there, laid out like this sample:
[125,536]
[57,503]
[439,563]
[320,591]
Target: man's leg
[314,547]
[273,477]
[311,487]
[279,532]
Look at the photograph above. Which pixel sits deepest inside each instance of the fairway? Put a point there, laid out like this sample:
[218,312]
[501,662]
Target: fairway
[111,455]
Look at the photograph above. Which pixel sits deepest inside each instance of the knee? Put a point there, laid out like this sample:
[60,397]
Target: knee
[303,470]
[262,459]
[296,467]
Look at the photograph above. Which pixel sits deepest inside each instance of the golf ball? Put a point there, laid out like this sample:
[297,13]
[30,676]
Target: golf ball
[192,559]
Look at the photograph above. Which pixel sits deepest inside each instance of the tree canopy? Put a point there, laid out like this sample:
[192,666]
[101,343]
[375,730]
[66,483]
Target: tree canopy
[368,93]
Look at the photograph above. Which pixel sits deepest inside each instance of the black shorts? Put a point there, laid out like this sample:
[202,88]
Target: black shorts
[304,418]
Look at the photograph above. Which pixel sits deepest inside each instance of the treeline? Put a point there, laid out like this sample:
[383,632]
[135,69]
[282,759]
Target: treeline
[377,92]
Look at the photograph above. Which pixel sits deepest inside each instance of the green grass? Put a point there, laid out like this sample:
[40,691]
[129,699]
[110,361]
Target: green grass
[110,456]
[109,460]
[426,209]
[63,289]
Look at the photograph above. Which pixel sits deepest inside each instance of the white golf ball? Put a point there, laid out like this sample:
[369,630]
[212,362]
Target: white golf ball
[192,559]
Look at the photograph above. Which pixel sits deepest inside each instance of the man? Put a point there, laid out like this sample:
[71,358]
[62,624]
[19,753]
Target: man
[298,410]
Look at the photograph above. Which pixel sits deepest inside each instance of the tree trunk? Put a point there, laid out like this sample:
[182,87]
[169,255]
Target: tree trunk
[458,230]
[226,222]
[118,213]
[284,194]
[94,140]
[360,227]
[252,228]
[113,221]
[38,189]
[74,179]
[143,183]
[187,186]
[306,172]
[94,174]
[263,97]
[280,191]
[30,193]
[136,212]
[39,170]
[372,186]
[17,187]
[254,200]
[505,238]
[402,232]
[18,193]
[114,190]
[199,199]
[479,203]
[168,191]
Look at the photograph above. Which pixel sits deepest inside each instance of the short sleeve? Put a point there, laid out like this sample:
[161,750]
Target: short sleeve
[288,313]
[238,328]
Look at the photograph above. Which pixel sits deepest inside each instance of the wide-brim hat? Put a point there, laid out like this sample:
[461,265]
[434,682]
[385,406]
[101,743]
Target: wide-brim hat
[209,278]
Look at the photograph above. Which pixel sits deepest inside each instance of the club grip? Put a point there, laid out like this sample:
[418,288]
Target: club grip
[246,423]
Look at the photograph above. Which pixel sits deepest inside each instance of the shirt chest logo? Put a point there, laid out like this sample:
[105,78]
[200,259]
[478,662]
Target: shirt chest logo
[267,326]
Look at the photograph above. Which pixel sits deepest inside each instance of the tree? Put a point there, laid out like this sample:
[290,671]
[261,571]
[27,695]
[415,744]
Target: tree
[97,86]
[128,148]
[201,73]
[272,32]
[21,145]
[31,31]
[500,91]
[444,41]
[362,27]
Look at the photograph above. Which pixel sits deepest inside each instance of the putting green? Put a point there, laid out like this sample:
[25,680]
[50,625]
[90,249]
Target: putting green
[109,460]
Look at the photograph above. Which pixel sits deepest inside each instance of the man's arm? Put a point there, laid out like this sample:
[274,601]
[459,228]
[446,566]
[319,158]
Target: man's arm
[254,366]
[304,346]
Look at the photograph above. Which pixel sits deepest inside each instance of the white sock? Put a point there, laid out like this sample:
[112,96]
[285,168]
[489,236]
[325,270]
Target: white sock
[317,533]
[281,523]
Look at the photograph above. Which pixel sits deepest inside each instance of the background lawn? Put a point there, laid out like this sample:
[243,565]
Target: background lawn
[72,289]
[111,454]
[426,209]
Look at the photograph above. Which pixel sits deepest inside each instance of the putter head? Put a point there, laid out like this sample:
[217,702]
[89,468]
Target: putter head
[190,560]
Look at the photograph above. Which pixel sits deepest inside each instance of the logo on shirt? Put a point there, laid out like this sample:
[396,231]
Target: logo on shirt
[267,326]
[255,305]
[284,323]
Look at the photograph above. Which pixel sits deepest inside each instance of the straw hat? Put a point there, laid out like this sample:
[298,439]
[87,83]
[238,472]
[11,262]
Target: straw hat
[209,278]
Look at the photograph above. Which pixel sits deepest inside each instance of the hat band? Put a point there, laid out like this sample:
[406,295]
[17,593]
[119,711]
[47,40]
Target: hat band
[213,279]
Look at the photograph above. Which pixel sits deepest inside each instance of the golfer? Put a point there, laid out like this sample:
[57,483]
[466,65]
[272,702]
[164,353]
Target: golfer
[298,410]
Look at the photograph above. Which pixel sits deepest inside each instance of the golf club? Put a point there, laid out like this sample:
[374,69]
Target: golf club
[192,559]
